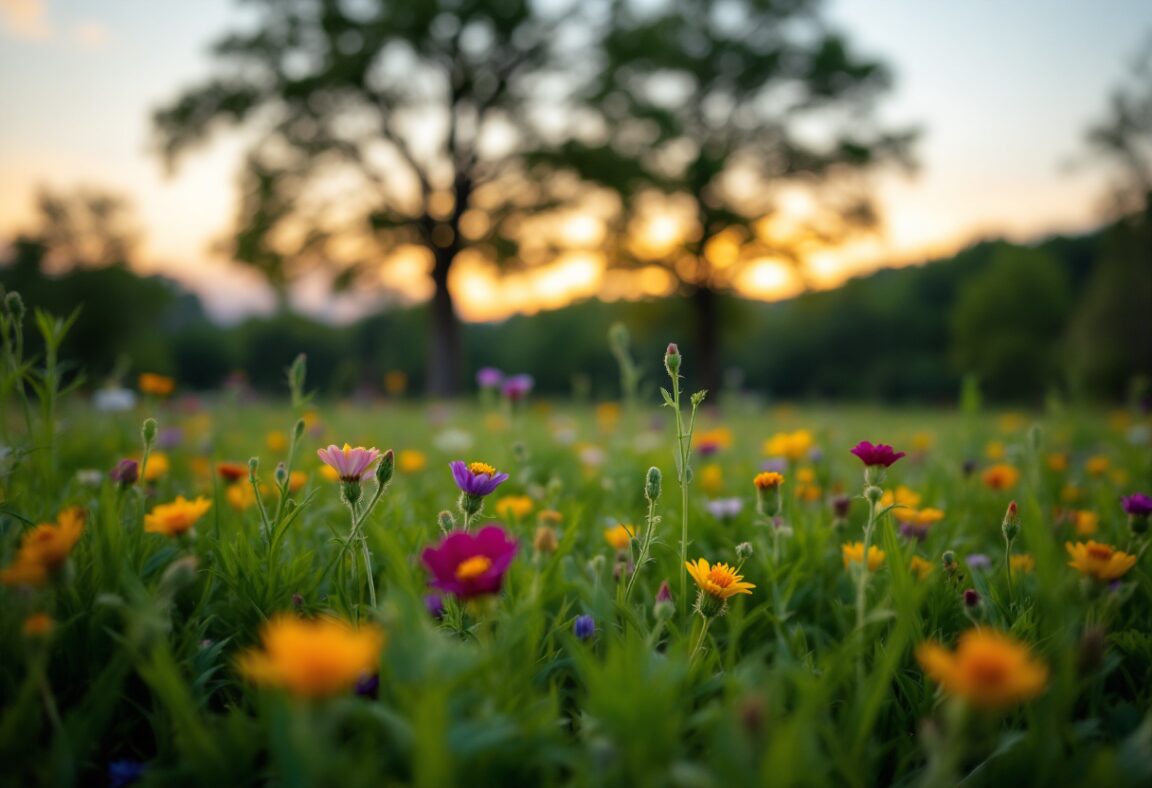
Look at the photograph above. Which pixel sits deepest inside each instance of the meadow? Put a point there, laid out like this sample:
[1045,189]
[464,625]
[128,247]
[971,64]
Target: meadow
[192,595]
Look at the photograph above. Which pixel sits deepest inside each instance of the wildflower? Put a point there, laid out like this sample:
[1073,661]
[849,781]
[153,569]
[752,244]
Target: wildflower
[903,498]
[584,627]
[313,659]
[717,583]
[971,598]
[231,472]
[841,505]
[1069,493]
[744,551]
[169,438]
[514,507]
[38,625]
[367,686]
[1087,523]
[672,360]
[1097,465]
[711,479]
[806,487]
[45,549]
[878,455]
[1138,507]
[329,473]
[709,442]
[114,399]
[469,565]
[517,387]
[125,473]
[1100,561]
[923,441]
[768,480]
[920,567]
[988,669]
[297,480]
[240,496]
[1022,563]
[158,466]
[176,518]
[351,464]
[434,604]
[607,415]
[476,479]
[1010,525]
[620,536]
[411,461]
[1057,462]
[790,445]
[156,385]
[854,554]
[724,508]
[978,561]
[1000,477]
[545,540]
[914,523]
[489,378]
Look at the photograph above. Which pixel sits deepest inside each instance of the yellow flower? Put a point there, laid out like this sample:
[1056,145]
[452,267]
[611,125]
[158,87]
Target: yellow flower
[620,536]
[711,440]
[792,445]
[902,497]
[296,480]
[921,518]
[718,580]
[711,479]
[1069,493]
[240,496]
[854,554]
[806,487]
[1100,561]
[923,441]
[549,517]
[607,414]
[1057,461]
[158,466]
[329,473]
[1023,563]
[1097,465]
[38,625]
[276,441]
[176,518]
[157,385]
[411,461]
[768,480]
[994,450]
[44,550]
[921,567]
[1000,477]
[988,669]
[313,659]
[514,507]
[1087,523]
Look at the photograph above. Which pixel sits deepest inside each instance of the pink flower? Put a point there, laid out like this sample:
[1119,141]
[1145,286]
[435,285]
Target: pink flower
[468,565]
[350,463]
[879,454]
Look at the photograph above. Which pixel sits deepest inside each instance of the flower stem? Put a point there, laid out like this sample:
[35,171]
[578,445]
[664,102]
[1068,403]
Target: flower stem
[645,546]
[862,591]
[700,640]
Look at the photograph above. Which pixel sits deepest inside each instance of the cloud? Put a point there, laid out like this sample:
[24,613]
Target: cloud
[25,19]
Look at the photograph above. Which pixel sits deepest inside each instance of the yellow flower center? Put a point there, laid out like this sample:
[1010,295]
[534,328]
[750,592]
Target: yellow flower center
[722,575]
[481,468]
[473,567]
[347,448]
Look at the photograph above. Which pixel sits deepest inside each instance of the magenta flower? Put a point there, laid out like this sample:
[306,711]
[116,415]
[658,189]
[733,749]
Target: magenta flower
[1137,504]
[489,378]
[470,565]
[518,386]
[350,463]
[879,454]
[476,478]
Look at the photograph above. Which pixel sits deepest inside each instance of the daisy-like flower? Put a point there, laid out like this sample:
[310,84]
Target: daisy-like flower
[515,507]
[176,518]
[156,385]
[988,669]
[351,464]
[476,478]
[231,472]
[914,523]
[1023,562]
[1100,561]
[1137,505]
[45,549]
[790,445]
[920,567]
[768,480]
[903,497]
[1000,477]
[619,536]
[470,565]
[854,554]
[313,659]
[873,455]
[717,583]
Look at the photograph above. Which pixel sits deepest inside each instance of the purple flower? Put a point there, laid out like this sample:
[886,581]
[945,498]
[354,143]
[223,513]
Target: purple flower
[971,598]
[476,478]
[724,508]
[469,565]
[125,473]
[917,531]
[125,772]
[878,454]
[518,386]
[489,378]
[978,561]
[434,604]
[368,686]
[775,465]
[350,463]
[169,438]
[840,506]
[584,627]
[664,594]
[1137,504]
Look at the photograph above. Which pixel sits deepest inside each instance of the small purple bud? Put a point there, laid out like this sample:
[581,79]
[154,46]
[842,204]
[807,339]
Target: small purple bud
[978,561]
[664,594]
[840,506]
[368,686]
[584,627]
[434,604]
[971,598]
[125,473]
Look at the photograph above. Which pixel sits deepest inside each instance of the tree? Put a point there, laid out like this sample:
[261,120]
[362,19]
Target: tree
[722,107]
[385,123]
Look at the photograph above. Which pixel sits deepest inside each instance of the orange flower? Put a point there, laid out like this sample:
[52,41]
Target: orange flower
[44,550]
[1100,561]
[768,480]
[157,385]
[38,625]
[1097,465]
[313,659]
[620,536]
[791,445]
[920,567]
[718,580]
[1000,477]
[231,471]
[178,517]
[854,554]
[514,507]
[988,669]
[1023,563]
[1087,523]
[411,461]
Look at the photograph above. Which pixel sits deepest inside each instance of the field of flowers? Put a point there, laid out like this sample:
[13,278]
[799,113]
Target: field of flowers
[513,592]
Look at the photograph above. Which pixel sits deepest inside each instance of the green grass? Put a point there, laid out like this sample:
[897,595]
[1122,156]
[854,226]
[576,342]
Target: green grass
[140,663]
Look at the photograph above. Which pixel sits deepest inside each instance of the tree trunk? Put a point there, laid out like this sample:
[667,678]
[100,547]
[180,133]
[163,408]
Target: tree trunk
[707,313]
[444,335]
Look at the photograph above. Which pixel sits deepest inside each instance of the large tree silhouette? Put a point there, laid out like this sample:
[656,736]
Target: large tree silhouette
[388,122]
[719,105]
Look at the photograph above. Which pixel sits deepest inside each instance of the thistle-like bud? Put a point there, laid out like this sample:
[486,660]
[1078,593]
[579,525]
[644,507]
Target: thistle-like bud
[672,360]
[545,541]
[873,494]
[664,608]
[126,473]
[948,561]
[386,467]
[148,433]
[1010,527]
[281,474]
[744,551]
[652,484]
[296,374]
[446,521]
[253,466]
[15,306]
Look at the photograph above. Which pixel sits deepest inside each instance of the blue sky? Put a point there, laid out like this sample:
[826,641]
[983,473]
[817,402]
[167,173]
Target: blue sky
[1002,90]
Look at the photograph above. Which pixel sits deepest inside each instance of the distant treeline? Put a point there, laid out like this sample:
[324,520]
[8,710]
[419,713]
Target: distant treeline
[1072,314]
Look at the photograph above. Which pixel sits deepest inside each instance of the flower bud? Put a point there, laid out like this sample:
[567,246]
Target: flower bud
[545,541]
[948,561]
[297,601]
[386,467]
[1093,644]
[618,338]
[281,474]
[744,551]
[126,473]
[179,574]
[971,598]
[584,627]
[253,466]
[297,373]
[664,593]
[1010,527]
[840,506]
[652,484]
[446,521]
[873,494]
[148,432]
[672,360]
[15,306]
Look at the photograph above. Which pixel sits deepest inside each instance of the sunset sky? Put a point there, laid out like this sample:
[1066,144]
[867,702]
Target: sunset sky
[1002,91]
